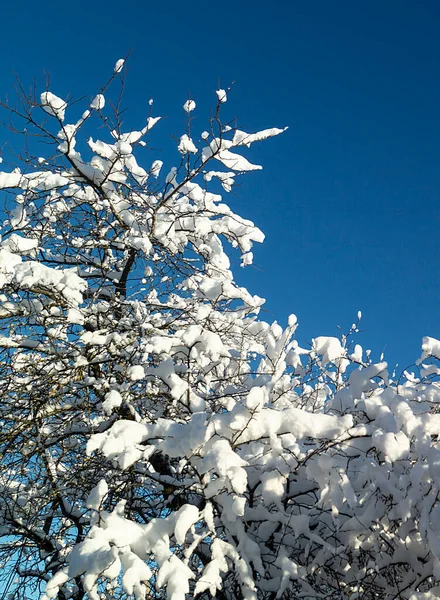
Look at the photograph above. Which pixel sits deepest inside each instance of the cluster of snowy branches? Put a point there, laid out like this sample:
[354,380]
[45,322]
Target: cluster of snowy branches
[157,438]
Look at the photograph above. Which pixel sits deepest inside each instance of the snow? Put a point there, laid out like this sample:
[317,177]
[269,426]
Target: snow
[427,370]
[189,106]
[329,348]
[174,575]
[221,95]
[186,145]
[170,179]
[357,354]
[124,147]
[135,573]
[53,105]
[134,136]
[33,275]
[210,579]
[121,443]
[394,446]
[362,380]
[186,517]
[37,180]
[242,138]
[7,264]
[10,180]
[273,487]
[289,570]
[155,168]
[430,347]
[103,149]
[113,399]
[18,244]
[136,372]
[166,372]
[189,438]
[256,399]
[98,102]
[231,160]
[226,178]
[119,65]
[140,243]
[292,320]
[151,122]
[75,316]
[246,259]
[97,495]
[53,585]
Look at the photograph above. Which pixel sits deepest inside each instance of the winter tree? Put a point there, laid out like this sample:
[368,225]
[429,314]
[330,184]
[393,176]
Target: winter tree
[158,439]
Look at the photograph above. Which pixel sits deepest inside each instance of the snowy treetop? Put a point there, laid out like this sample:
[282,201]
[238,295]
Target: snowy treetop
[159,438]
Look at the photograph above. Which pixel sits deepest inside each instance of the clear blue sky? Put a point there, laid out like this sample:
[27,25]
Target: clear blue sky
[349,198]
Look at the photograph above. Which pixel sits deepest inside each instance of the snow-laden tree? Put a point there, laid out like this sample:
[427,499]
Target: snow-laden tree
[157,438]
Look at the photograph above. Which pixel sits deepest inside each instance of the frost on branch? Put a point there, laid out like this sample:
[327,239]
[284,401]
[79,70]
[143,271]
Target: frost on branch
[158,438]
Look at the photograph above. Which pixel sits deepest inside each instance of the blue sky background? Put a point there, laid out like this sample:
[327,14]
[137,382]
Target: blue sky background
[349,196]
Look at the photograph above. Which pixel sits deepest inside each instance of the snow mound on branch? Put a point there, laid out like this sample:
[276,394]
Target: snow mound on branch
[32,275]
[113,399]
[186,145]
[136,572]
[119,65]
[8,262]
[241,138]
[36,276]
[189,106]
[53,105]
[97,495]
[430,347]
[219,149]
[120,544]
[39,180]
[98,102]
[221,95]
[226,178]
[244,460]
[20,245]
[329,348]
[187,516]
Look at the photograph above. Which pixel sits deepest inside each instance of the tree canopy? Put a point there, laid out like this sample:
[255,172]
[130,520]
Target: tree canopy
[158,438]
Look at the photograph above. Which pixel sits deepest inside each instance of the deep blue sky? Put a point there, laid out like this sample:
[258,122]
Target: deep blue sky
[349,198]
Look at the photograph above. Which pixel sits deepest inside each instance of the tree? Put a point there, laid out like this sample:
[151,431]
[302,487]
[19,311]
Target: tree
[157,438]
